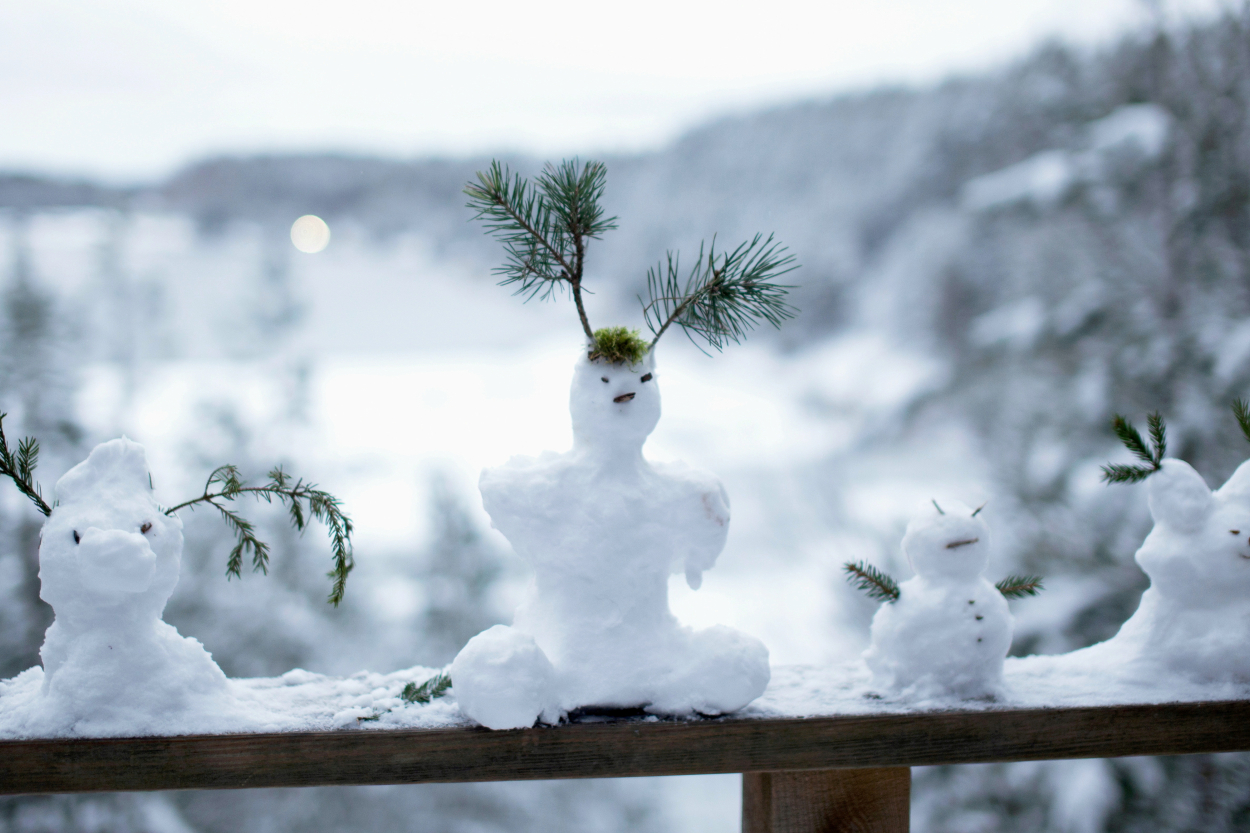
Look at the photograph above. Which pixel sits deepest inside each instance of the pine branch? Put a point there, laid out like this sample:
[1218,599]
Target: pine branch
[1017,587]
[724,296]
[872,581]
[20,467]
[1241,410]
[303,500]
[544,227]
[431,689]
[1132,440]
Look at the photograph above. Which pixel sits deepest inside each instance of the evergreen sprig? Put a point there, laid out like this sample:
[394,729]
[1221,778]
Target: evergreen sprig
[724,296]
[1132,440]
[303,501]
[1017,587]
[20,467]
[1241,410]
[872,581]
[544,226]
[431,689]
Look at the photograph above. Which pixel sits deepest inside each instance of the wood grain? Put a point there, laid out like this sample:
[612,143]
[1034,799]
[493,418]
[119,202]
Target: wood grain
[619,748]
[827,801]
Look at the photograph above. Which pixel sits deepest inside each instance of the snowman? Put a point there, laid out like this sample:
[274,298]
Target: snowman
[1194,619]
[603,528]
[947,630]
[108,562]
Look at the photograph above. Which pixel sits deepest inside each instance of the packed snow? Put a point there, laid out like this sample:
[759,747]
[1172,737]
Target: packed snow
[603,528]
[950,630]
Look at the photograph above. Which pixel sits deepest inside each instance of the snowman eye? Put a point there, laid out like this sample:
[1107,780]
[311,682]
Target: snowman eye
[146,526]
[77,537]
[645,378]
[603,379]
[1234,531]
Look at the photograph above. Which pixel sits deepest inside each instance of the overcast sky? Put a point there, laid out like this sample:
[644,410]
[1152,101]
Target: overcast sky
[133,88]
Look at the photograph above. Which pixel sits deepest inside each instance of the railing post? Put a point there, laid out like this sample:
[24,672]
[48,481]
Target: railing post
[827,801]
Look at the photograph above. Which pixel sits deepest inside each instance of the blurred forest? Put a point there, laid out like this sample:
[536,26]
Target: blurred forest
[1065,238]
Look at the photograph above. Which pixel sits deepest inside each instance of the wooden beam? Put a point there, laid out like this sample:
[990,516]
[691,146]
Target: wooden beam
[827,801]
[620,748]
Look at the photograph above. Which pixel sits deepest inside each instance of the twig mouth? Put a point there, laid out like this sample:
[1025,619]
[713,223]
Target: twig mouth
[1243,555]
[625,397]
[954,544]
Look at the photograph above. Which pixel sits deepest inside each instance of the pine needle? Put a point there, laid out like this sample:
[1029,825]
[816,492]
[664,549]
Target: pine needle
[303,500]
[1132,440]
[20,467]
[872,581]
[1241,410]
[431,689]
[725,294]
[1017,587]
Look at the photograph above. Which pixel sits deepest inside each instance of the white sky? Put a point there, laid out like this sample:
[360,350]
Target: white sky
[133,88]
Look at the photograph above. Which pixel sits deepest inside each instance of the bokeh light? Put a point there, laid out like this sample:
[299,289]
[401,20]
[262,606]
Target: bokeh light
[310,234]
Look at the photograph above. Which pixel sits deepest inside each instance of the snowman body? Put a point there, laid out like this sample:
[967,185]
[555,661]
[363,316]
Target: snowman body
[108,562]
[603,529]
[1194,619]
[950,630]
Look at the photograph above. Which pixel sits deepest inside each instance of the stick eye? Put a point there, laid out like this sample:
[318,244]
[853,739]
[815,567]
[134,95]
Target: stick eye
[603,379]
[645,378]
[77,537]
[146,526]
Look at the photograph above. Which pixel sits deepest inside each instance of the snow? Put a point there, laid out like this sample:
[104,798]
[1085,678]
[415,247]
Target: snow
[603,529]
[950,629]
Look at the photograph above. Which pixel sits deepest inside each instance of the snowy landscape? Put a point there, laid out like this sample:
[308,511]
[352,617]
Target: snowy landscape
[991,268]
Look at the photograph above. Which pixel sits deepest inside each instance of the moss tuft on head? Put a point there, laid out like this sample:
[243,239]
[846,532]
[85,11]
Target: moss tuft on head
[618,345]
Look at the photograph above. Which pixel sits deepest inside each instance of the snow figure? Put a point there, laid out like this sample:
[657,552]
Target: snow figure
[108,562]
[947,630]
[603,528]
[1194,619]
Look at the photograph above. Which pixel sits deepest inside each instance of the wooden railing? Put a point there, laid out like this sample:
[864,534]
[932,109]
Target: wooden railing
[799,774]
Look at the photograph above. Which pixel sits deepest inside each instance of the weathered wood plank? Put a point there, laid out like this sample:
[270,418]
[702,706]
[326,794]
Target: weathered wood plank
[827,801]
[621,748]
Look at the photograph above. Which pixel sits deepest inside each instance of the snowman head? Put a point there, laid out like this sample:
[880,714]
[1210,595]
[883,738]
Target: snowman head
[948,541]
[107,542]
[615,406]
[1199,550]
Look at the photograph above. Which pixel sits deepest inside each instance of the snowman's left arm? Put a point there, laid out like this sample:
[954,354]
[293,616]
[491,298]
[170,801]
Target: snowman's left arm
[709,528]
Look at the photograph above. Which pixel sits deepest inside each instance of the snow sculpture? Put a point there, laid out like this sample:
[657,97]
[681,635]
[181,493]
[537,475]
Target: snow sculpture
[949,630]
[603,528]
[108,562]
[1194,619]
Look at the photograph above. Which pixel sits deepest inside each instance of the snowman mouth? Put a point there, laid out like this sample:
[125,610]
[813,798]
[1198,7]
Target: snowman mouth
[953,544]
[625,397]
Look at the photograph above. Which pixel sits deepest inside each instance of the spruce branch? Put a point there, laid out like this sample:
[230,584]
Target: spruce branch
[20,467]
[1132,440]
[544,227]
[1241,410]
[304,501]
[872,581]
[431,689]
[1017,587]
[725,294]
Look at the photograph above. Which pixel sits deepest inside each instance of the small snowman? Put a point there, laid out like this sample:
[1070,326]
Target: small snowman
[1194,619]
[108,561]
[947,630]
[603,527]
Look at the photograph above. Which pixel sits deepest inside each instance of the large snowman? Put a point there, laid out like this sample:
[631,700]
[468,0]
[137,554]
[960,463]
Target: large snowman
[108,562]
[949,630]
[603,529]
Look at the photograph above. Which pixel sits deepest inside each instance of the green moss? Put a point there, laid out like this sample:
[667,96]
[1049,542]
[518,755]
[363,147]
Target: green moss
[618,345]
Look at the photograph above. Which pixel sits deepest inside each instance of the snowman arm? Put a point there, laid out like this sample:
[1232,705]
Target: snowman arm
[1017,587]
